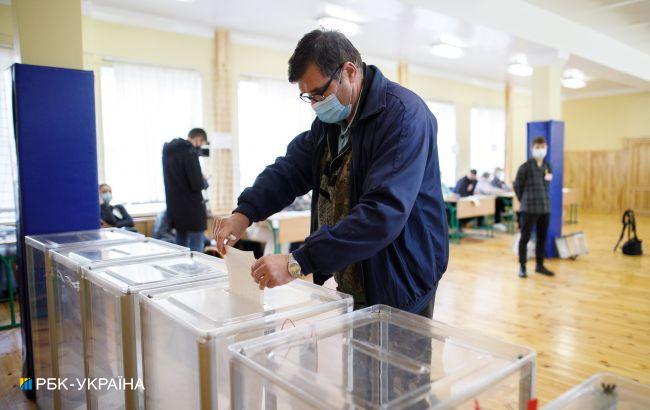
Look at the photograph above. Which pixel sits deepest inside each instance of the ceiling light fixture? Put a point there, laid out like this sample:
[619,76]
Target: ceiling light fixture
[347,27]
[448,47]
[343,13]
[573,78]
[445,50]
[519,66]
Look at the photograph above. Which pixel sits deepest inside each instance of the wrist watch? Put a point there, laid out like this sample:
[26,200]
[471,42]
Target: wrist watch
[294,267]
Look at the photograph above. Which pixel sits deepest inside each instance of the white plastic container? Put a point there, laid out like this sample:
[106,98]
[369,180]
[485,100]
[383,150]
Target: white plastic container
[113,323]
[380,358]
[186,332]
[68,318]
[604,391]
[40,286]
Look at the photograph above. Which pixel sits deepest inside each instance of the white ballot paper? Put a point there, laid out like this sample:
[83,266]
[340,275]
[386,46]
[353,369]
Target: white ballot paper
[242,284]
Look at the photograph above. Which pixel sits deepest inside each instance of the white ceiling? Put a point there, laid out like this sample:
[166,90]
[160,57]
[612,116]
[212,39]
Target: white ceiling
[391,29]
[625,20]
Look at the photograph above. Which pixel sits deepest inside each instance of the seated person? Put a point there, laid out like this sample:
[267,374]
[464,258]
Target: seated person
[498,180]
[466,185]
[113,216]
[486,187]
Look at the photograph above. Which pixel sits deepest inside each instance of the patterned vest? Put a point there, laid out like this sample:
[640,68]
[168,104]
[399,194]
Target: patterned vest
[334,205]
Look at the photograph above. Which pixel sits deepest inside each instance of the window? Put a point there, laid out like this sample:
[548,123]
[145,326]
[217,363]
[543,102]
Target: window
[487,139]
[7,148]
[142,108]
[446,115]
[270,115]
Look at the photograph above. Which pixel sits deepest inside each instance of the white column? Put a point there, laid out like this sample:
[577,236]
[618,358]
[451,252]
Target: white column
[546,92]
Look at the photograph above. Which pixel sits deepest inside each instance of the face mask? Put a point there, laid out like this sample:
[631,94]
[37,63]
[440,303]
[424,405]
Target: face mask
[107,197]
[539,153]
[330,110]
[500,176]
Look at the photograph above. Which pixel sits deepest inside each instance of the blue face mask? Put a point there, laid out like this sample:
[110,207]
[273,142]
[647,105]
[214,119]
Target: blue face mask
[107,197]
[330,110]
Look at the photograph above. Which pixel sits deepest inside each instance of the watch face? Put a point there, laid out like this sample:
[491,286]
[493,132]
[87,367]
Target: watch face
[294,269]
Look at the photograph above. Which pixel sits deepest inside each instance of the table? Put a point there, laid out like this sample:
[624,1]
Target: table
[7,258]
[289,226]
[468,207]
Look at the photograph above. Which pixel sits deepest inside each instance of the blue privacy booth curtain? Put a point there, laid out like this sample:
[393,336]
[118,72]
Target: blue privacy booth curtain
[553,131]
[56,151]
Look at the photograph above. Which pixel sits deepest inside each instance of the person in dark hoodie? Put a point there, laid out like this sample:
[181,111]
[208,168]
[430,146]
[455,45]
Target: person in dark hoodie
[183,185]
[371,161]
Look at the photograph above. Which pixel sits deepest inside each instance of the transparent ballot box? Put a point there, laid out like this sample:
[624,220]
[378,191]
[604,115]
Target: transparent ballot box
[68,317]
[186,332]
[113,322]
[604,391]
[380,358]
[40,286]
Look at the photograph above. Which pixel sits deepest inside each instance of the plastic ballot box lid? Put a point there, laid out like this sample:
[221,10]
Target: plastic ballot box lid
[380,357]
[134,276]
[110,253]
[57,240]
[604,391]
[209,308]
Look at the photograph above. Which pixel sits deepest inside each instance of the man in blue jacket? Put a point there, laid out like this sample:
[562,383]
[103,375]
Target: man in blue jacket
[371,161]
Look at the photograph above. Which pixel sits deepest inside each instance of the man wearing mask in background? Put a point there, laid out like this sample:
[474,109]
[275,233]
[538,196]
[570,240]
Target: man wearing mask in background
[113,216]
[531,188]
[184,182]
[499,180]
[371,160]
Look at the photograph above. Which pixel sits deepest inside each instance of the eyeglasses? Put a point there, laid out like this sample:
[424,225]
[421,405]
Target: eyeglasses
[317,95]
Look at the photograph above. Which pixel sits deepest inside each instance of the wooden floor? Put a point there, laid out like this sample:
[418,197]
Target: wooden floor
[593,316]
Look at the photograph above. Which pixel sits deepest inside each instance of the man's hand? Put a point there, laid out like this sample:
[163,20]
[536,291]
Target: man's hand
[271,270]
[228,230]
[104,224]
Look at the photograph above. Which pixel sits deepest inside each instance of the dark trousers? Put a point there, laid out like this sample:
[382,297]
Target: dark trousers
[528,221]
[500,207]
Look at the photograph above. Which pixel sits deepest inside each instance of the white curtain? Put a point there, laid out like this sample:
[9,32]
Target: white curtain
[270,115]
[487,139]
[7,150]
[142,108]
[446,115]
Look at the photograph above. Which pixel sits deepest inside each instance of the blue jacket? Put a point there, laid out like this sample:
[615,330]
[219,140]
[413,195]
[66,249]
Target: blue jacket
[396,229]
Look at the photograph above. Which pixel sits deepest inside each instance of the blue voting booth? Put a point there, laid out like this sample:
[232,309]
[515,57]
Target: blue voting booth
[54,127]
[553,131]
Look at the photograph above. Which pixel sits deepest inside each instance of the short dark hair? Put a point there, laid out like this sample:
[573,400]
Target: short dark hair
[539,140]
[197,132]
[485,175]
[103,185]
[327,49]
[472,171]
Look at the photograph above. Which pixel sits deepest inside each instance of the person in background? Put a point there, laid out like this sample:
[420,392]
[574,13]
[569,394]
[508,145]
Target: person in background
[184,184]
[531,188]
[113,215]
[371,161]
[486,187]
[466,185]
[162,229]
[499,180]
